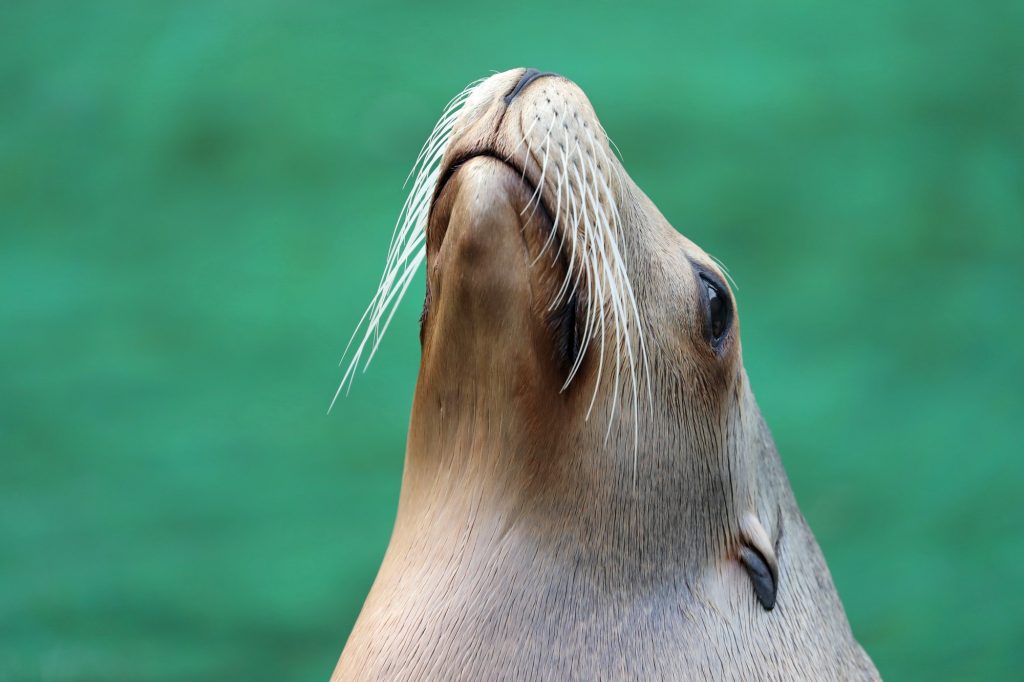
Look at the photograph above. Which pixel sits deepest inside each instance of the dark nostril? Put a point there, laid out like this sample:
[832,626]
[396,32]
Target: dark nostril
[528,77]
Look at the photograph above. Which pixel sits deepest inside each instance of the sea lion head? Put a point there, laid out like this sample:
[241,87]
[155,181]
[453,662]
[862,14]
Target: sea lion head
[560,303]
[581,394]
[572,339]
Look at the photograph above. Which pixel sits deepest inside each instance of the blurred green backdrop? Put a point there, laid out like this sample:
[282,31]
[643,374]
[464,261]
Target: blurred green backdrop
[196,200]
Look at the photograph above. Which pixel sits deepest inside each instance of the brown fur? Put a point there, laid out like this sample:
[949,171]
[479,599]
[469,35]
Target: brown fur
[526,546]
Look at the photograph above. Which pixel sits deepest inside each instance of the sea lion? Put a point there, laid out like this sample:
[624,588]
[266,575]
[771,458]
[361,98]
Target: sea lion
[589,491]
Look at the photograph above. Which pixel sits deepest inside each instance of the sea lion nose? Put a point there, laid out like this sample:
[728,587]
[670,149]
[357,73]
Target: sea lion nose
[528,77]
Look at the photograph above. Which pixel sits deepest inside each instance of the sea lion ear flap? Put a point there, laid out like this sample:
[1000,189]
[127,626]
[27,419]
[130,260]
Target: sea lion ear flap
[757,556]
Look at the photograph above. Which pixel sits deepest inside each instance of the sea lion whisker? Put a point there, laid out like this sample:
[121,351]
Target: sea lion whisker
[554,225]
[570,206]
[408,218]
[412,218]
[394,288]
[588,313]
[536,198]
[407,250]
[404,282]
[605,188]
[622,322]
[438,136]
[433,149]
[389,305]
[349,374]
[593,314]
[590,230]
[725,271]
[601,237]
[434,146]
[596,284]
[611,143]
[608,233]
[641,342]
[601,350]
[379,299]
[616,218]
[523,139]
[579,241]
[573,233]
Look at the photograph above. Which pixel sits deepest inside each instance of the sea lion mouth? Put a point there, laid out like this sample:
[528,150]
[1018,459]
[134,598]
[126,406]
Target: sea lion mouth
[453,166]
[538,236]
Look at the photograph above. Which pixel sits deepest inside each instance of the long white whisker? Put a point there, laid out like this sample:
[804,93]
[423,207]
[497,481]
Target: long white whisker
[407,249]
[574,232]
[558,215]
[620,266]
[603,230]
[522,140]
[601,264]
[538,190]
[404,283]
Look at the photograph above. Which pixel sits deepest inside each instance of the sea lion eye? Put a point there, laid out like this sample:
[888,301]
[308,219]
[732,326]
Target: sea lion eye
[718,310]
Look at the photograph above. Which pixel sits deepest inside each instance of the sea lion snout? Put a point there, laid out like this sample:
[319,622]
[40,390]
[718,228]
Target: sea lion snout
[529,75]
[486,293]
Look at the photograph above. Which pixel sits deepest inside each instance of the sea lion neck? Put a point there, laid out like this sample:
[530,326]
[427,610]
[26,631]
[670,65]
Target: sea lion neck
[476,466]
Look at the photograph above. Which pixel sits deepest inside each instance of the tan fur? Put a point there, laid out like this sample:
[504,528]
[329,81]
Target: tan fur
[528,546]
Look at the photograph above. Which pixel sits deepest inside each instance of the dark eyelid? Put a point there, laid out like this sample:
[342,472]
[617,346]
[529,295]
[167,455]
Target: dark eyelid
[711,278]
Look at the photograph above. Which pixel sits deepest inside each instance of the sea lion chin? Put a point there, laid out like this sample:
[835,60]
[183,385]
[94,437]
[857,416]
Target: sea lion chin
[589,491]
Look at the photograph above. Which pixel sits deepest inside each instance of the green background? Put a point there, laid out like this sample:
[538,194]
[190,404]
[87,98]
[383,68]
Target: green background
[196,200]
